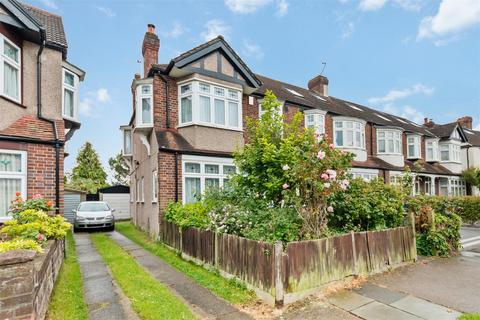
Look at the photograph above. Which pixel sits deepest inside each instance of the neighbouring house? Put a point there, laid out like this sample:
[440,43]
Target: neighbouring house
[189,116]
[38,103]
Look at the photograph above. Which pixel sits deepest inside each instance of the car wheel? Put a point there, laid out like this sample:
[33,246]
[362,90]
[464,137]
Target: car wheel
[111,228]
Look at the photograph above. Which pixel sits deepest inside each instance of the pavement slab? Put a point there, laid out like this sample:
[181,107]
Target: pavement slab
[348,300]
[379,311]
[318,311]
[380,294]
[425,309]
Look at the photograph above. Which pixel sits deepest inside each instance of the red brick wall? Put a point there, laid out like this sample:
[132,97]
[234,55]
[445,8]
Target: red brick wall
[329,128]
[248,111]
[166,180]
[159,100]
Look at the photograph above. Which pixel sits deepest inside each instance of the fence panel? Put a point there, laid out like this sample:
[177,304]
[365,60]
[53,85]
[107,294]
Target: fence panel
[170,234]
[199,244]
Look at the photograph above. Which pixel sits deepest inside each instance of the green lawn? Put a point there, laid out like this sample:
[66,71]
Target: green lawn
[470,316]
[229,290]
[150,299]
[67,301]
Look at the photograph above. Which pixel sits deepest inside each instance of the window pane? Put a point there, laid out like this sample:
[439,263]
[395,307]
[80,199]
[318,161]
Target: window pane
[444,156]
[146,89]
[68,103]
[212,183]
[146,111]
[229,169]
[186,104]
[219,111]
[10,51]
[349,138]
[348,124]
[205,109]
[381,134]
[186,88]
[397,146]
[357,139]
[8,188]
[10,162]
[233,114]
[212,169]
[204,87]
[232,94]
[381,146]
[390,146]
[219,91]
[192,190]
[338,124]
[192,167]
[339,138]
[10,81]
[127,143]
[411,150]
[69,79]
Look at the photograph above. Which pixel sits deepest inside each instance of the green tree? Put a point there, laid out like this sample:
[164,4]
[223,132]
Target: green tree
[88,174]
[119,169]
[472,176]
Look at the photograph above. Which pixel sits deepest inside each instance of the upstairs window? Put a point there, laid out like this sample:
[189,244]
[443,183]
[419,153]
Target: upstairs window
[450,152]
[431,146]
[349,133]
[144,105]
[413,146]
[315,119]
[70,94]
[210,104]
[127,141]
[10,69]
[389,141]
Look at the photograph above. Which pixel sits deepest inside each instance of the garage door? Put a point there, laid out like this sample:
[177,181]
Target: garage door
[120,202]
[71,201]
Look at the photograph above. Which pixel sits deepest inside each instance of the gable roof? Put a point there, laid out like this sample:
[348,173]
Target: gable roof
[473,137]
[444,131]
[204,49]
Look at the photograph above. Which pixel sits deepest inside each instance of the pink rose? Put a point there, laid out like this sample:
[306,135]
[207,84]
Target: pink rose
[321,155]
[40,237]
[332,174]
[331,146]
[330,209]
[325,176]
[285,186]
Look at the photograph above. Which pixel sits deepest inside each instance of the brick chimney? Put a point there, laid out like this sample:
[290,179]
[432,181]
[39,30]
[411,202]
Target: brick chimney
[150,47]
[466,122]
[428,123]
[319,84]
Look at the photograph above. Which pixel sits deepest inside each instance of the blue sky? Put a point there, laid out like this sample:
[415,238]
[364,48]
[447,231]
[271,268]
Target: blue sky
[414,58]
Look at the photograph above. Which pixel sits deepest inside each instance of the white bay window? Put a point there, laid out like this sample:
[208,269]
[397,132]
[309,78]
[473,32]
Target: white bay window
[210,104]
[450,152]
[389,141]
[315,119]
[349,133]
[203,173]
[413,146]
[13,178]
[431,147]
[10,69]
[144,105]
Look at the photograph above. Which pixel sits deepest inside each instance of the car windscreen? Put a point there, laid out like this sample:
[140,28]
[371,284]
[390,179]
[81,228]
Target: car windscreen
[93,206]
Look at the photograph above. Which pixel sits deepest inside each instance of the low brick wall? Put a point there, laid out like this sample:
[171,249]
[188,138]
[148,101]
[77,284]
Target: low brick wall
[27,279]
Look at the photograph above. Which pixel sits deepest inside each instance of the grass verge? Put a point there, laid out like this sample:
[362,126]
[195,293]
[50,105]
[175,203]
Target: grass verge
[230,290]
[67,301]
[150,299]
[470,316]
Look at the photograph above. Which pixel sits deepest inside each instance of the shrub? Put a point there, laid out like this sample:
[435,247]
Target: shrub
[468,208]
[19,243]
[37,202]
[367,205]
[188,215]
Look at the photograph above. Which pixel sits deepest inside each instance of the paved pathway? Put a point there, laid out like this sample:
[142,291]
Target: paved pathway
[104,299]
[372,302]
[201,301]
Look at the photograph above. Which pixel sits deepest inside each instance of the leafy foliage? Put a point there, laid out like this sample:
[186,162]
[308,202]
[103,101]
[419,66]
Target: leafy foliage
[119,168]
[88,174]
[189,215]
[37,202]
[19,243]
[468,208]
[472,176]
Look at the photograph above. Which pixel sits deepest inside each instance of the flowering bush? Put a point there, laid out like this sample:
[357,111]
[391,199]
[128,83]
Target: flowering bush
[20,243]
[37,202]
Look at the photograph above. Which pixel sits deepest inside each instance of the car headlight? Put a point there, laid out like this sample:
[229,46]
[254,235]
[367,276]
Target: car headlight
[108,217]
[79,218]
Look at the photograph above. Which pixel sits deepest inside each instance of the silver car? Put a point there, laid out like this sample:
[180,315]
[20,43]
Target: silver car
[94,214]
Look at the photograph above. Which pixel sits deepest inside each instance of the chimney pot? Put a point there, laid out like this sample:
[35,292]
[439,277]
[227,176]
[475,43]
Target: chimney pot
[319,84]
[151,28]
[150,47]
[466,122]
[137,76]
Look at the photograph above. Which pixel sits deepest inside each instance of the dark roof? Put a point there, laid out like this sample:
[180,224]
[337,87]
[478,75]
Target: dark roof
[443,130]
[374,163]
[52,24]
[433,168]
[115,189]
[473,137]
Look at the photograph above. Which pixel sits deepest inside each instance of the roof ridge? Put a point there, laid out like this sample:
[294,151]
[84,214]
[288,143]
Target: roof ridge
[27,5]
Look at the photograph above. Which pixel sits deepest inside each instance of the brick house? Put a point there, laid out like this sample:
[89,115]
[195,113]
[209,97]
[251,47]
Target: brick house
[189,115]
[38,103]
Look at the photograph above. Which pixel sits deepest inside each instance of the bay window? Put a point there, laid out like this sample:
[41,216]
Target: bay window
[13,178]
[413,146]
[144,105]
[450,152]
[389,141]
[10,69]
[349,133]
[70,94]
[431,146]
[315,119]
[203,173]
[210,104]
[365,174]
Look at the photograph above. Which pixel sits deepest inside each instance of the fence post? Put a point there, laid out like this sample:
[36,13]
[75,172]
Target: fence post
[354,252]
[278,274]
[414,232]
[216,250]
[181,239]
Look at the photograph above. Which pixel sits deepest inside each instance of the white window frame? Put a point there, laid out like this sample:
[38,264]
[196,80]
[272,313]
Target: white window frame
[202,175]
[417,142]
[395,139]
[318,123]
[344,129]
[142,190]
[431,144]
[17,65]
[154,186]
[195,94]
[74,90]
[364,173]
[139,98]
[127,135]
[454,151]
[16,175]
[137,191]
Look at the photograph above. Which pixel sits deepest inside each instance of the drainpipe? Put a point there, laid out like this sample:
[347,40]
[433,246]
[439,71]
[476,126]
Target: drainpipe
[167,102]
[176,176]
[57,142]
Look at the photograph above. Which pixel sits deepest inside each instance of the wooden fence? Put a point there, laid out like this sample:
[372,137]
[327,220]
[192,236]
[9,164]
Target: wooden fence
[285,273]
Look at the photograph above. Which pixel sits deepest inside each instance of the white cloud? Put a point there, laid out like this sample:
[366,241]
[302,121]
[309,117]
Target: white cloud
[396,94]
[50,4]
[371,5]
[177,30]
[406,111]
[93,99]
[410,5]
[453,16]
[282,8]
[246,6]
[252,49]
[348,30]
[214,28]
[107,11]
